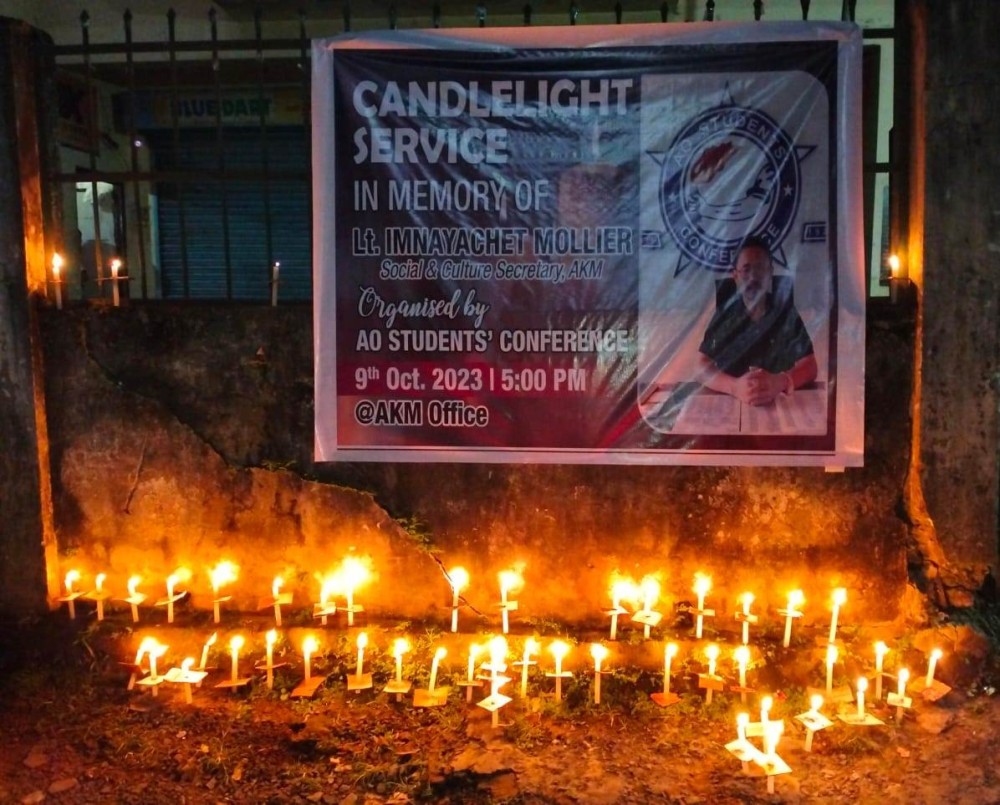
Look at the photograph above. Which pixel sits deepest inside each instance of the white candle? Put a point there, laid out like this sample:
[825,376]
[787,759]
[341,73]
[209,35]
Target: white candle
[274,283]
[669,652]
[459,579]
[795,599]
[276,586]
[702,584]
[220,575]
[325,591]
[742,655]
[902,677]
[362,643]
[99,583]
[881,649]
[71,577]
[747,599]
[620,589]
[931,665]
[712,653]
[309,645]
[156,651]
[831,658]
[559,650]
[862,687]
[399,647]
[815,702]
[474,650]
[509,580]
[57,263]
[353,574]
[498,657]
[599,653]
[531,646]
[185,667]
[742,719]
[649,589]
[839,599]
[766,703]
[134,596]
[116,265]
[235,644]
[270,639]
[204,650]
[439,655]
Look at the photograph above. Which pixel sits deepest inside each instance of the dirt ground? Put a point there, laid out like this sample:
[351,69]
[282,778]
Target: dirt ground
[72,733]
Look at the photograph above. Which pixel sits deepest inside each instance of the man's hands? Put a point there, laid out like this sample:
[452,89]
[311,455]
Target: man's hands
[759,387]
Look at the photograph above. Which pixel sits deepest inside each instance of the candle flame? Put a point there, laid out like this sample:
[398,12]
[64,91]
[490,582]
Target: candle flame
[211,641]
[766,703]
[498,650]
[510,581]
[881,649]
[188,664]
[474,649]
[223,573]
[158,649]
[276,586]
[559,649]
[839,597]
[623,588]
[459,577]
[894,265]
[440,653]
[649,589]
[816,701]
[671,649]
[145,647]
[831,655]
[71,577]
[936,654]
[796,598]
[712,652]
[99,580]
[904,676]
[236,642]
[742,719]
[598,652]
[57,263]
[179,576]
[400,646]
[271,637]
[116,265]
[328,586]
[531,646]
[309,645]
[133,583]
[354,572]
[862,685]
[747,599]
[742,655]
[363,640]
[702,583]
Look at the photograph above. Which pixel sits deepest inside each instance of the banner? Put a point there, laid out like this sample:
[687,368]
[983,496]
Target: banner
[630,245]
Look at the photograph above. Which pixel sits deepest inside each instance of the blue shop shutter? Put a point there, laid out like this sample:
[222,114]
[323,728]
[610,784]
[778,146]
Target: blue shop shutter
[203,215]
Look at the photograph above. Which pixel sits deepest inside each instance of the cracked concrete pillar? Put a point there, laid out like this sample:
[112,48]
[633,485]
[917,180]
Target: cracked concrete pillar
[27,539]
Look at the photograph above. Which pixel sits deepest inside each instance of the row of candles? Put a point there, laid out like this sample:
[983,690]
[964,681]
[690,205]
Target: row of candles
[354,572]
[116,266]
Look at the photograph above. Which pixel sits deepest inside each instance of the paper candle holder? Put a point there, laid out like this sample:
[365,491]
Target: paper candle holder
[711,682]
[756,729]
[867,720]
[648,617]
[234,684]
[937,689]
[841,694]
[308,687]
[893,699]
[424,697]
[494,702]
[398,686]
[664,699]
[281,600]
[813,721]
[321,610]
[359,682]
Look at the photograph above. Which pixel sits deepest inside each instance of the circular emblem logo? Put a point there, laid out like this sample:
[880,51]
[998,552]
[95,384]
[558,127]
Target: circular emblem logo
[729,173]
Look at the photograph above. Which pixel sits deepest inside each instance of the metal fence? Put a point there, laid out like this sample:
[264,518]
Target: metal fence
[188,159]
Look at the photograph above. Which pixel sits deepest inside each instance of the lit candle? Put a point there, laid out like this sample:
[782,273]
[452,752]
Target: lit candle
[831,658]
[815,703]
[747,599]
[772,734]
[936,655]
[99,594]
[766,703]
[362,642]
[179,576]
[599,653]
[325,591]
[559,650]
[669,652]
[474,650]
[134,596]
[839,599]
[531,646]
[498,657]
[309,646]
[795,600]
[510,580]
[881,649]
[621,589]
[156,651]
[862,687]
[742,655]
[902,677]
[71,577]
[439,655]
[57,263]
[354,573]
[702,584]
[649,589]
[459,577]
[274,283]
[270,639]
[235,644]
[712,653]
[204,650]
[116,265]
[399,647]
[276,586]
[222,574]
[742,719]
[185,669]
